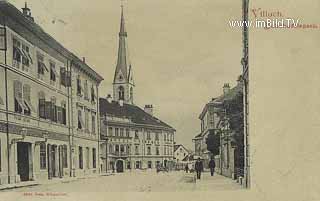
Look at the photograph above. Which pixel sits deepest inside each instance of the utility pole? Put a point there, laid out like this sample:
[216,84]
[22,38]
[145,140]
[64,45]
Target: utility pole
[245,77]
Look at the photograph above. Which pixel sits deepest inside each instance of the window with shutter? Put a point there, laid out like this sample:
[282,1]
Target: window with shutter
[41,65]
[27,97]
[2,38]
[19,105]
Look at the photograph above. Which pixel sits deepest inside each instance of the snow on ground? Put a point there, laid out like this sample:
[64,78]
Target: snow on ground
[146,181]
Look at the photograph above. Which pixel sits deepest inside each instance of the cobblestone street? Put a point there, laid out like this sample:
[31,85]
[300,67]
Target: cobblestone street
[138,182]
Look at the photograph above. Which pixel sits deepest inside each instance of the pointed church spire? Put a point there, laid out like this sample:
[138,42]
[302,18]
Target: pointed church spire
[123,77]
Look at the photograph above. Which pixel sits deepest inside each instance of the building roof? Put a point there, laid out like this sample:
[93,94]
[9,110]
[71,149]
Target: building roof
[133,112]
[23,26]
[176,147]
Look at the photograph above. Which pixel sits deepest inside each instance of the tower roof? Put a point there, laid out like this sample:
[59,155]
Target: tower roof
[123,63]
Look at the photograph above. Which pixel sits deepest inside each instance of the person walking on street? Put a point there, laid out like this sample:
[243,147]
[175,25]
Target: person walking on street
[199,168]
[212,165]
[187,168]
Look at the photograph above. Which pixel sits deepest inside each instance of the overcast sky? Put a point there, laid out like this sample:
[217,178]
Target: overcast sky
[182,52]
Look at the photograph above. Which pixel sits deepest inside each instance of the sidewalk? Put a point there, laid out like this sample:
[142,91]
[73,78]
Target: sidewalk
[216,182]
[51,181]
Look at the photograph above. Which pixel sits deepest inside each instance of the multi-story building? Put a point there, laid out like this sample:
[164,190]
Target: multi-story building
[216,118]
[48,104]
[133,137]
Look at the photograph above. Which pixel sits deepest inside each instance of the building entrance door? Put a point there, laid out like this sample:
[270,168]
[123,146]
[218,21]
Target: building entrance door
[23,149]
[119,165]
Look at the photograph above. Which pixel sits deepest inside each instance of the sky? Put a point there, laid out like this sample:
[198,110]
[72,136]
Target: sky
[182,52]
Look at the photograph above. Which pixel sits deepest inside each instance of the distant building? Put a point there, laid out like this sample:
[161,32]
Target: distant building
[131,137]
[48,104]
[181,156]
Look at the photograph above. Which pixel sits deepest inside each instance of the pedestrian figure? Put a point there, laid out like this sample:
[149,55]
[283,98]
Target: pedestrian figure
[212,165]
[199,168]
[187,168]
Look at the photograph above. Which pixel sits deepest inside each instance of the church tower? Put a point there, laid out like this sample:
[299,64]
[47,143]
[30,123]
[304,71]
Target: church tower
[123,84]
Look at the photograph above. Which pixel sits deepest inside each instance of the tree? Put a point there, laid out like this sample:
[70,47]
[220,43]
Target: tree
[213,143]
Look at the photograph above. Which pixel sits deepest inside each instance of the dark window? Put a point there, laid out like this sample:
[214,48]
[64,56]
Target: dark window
[127,132]
[65,156]
[117,132]
[136,134]
[148,135]
[87,158]
[80,158]
[42,105]
[79,89]
[157,151]
[121,132]
[80,121]
[94,158]
[43,163]
[93,95]
[93,121]
[149,164]
[149,150]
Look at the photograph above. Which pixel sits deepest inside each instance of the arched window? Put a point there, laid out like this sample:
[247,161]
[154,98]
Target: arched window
[121,93]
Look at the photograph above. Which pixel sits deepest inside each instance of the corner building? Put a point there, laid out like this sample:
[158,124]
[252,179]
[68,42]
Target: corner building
[48,104]
[131,137]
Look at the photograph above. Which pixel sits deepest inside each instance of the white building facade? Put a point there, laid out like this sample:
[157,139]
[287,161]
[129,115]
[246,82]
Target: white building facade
[40,104]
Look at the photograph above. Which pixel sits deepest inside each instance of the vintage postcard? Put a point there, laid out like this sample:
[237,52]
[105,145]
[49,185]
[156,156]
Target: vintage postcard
[117,97]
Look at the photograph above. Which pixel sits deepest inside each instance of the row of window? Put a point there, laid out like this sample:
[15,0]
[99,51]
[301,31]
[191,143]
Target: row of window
[84,91]
[87,159]
[47,108]
[84,125]
[51,150]
[120,132]
[22,59]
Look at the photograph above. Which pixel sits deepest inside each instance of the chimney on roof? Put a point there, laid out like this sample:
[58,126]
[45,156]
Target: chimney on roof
[27,12]
[109,98]
[148,109]
[121,103]
[226,88]
[84,59]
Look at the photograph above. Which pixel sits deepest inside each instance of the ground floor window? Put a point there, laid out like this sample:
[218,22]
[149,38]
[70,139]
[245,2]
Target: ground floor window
[43,163]
[128,165]
[137,164]
[149,164]
[158,163]
[80,158]
[94,158]
[87,158]
[65,156]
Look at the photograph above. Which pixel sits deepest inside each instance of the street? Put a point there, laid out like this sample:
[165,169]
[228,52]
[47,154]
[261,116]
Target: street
[144,181]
